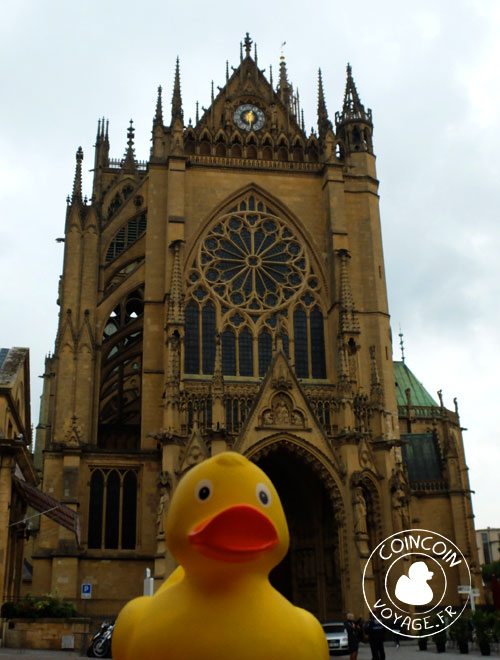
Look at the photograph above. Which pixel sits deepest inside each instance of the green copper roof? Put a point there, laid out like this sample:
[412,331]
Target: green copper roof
[405,379]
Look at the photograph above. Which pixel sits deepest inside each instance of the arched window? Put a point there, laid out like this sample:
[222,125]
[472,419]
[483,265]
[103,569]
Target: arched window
[318,365]
[208,337]
[251,151]
[236,151]
[192,340]
[251,279]
[205,148]
[245,349]
[189,144]
[228,353]
[265,351]
[127,235]
[95,509]
[129,510]
[112,509]
[121,375]
[220,149]
[301,343]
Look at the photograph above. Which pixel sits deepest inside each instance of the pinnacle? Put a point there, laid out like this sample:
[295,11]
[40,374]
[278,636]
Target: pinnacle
[177,112]
[129,158]
[76,197]
[159,108]
[352,108]
[323,122]
[248,44]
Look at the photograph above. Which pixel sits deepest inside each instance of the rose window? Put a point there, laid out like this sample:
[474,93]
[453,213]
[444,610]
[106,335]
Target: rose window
[252,260]
[250,283]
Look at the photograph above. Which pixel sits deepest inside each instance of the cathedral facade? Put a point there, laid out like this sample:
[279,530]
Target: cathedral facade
[230,294]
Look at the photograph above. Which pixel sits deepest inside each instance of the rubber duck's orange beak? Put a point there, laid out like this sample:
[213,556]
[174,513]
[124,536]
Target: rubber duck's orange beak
[236,534]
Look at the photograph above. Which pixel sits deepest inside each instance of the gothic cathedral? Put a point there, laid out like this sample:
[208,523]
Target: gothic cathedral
[230,293]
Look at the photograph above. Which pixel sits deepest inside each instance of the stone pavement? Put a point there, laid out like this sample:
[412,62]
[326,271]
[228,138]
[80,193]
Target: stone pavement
[407,651]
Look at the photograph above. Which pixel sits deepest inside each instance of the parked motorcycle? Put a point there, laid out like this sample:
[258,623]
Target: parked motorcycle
[100,647]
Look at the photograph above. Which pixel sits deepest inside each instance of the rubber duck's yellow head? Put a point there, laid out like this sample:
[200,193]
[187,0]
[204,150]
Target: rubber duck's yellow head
[225,512]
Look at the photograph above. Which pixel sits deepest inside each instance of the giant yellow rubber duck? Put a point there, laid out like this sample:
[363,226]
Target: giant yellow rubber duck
[227,530]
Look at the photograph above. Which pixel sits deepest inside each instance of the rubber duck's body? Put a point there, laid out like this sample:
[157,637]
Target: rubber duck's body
[227,529]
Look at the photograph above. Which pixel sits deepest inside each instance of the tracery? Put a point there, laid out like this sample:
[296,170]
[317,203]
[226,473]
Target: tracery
[253,282]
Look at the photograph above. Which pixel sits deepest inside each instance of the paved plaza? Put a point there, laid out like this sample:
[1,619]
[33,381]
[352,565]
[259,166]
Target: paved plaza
[407,651]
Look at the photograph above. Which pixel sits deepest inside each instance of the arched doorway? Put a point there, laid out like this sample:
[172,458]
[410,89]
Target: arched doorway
[309,576]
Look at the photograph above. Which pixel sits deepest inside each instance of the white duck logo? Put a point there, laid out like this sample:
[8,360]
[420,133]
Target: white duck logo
[413,588]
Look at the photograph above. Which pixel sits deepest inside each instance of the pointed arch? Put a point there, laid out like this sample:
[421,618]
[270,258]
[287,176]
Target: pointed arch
[189,141]
[316,517]
[254,257]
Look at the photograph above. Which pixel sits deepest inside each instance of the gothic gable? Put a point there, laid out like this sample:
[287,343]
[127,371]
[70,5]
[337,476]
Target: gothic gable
[281,407]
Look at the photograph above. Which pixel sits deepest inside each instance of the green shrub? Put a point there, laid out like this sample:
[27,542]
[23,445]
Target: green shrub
[484,625]
[31,607]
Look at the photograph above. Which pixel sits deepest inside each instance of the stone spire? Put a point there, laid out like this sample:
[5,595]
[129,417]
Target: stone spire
[354,124]
[324,124]
[129,157]
[159,109]
[353,108]
[76,197]
[177,112]
[284,88]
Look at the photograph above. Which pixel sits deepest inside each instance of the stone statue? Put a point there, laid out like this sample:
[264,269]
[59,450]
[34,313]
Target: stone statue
[165,486]
[359,505]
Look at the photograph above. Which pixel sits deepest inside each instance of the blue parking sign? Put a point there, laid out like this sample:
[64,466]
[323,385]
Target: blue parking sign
[86,591]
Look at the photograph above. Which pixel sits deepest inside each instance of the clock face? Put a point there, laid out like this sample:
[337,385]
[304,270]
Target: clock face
[249,117]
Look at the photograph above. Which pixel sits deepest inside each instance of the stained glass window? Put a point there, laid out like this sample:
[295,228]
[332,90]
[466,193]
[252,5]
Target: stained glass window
[265,351]
[228,353]
[301,343]
[192,339]
[245,348]
[317,344]
[208,337]
[255,269]
[113,500]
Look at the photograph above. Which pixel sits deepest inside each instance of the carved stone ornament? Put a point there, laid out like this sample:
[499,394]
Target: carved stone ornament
[282,414]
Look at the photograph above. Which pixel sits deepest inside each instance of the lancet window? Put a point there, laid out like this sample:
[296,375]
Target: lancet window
[252,287]
[112,509]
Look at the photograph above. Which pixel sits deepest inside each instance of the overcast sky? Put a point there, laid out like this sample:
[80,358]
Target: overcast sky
[430,72]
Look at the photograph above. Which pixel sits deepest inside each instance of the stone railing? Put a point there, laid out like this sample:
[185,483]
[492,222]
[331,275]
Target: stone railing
[429,485]
[254,163]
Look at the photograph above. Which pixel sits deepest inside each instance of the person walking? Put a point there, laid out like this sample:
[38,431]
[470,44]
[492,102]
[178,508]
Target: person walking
[353,635]
[375,631]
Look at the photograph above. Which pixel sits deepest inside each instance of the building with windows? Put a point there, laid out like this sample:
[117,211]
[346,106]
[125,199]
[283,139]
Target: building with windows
[229,293]
[488,545]
[16,466]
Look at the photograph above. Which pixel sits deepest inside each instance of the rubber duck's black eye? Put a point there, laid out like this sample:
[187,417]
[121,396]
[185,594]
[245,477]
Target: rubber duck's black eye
[263,494]
[203,490]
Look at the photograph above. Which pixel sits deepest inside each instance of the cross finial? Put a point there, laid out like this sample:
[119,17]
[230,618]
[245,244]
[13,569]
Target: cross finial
[130,135]
[402,345]
[248,44]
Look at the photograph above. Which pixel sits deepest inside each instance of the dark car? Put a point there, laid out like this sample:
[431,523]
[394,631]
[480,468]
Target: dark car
[336,636]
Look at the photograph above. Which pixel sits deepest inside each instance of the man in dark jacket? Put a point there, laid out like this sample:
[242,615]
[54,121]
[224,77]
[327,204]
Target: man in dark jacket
[375,632]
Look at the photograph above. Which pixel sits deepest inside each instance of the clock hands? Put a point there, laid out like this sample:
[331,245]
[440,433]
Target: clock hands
[249,117]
